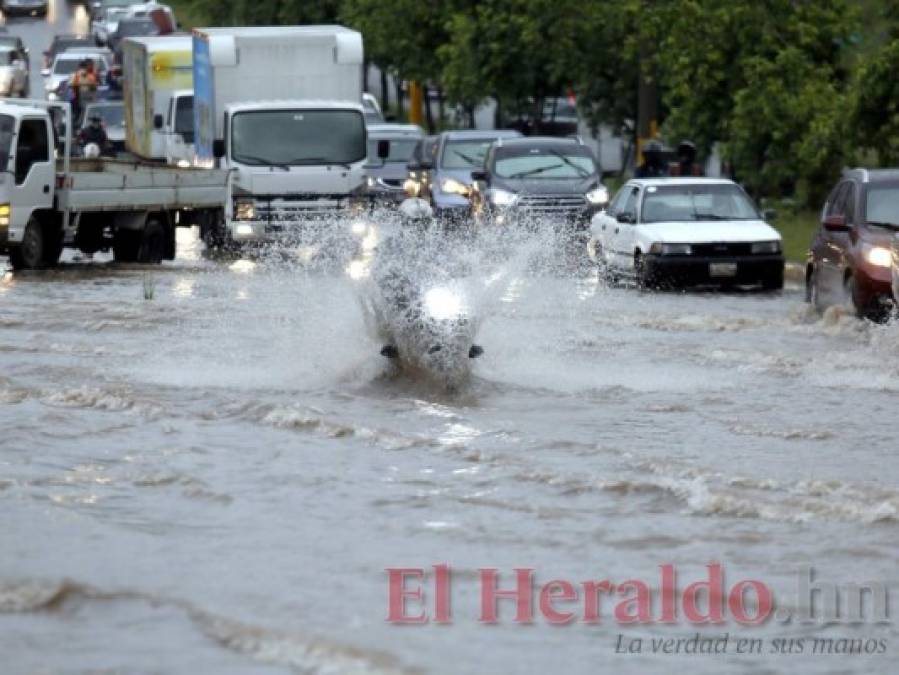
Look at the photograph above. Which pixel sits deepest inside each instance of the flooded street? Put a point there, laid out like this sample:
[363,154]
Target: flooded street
[216,478]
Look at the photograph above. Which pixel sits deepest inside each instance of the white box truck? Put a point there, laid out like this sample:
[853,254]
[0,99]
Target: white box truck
[280,109]
[49,201]
[156,69]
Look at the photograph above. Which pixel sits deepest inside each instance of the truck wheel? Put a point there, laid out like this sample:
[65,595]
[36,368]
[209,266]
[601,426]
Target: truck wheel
[29,255]
[125,245]
[53,249]
[152,243]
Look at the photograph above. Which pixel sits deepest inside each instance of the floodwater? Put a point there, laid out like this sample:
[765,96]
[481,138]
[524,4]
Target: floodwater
[207,468]
[215,479]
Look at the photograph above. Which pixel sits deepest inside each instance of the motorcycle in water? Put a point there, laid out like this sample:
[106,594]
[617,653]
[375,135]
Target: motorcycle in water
[423,302]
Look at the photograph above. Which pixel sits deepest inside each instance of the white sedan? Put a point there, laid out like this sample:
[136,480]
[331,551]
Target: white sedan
[686,231]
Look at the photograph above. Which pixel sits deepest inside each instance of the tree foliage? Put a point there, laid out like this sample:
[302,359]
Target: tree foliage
[786,89]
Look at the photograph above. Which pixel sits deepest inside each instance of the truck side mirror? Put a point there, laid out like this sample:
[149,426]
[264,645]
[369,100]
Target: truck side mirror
[218,148]
[157,121]
[383,149]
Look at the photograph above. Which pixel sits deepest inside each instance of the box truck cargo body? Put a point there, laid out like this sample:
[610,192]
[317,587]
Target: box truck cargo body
[153,68]
[282,106]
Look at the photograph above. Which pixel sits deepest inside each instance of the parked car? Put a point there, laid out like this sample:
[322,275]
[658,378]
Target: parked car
[25,7]
[686,231]
[13,72]
[526,179]
[386,177]
[60,44]
[850,256]
[15,42]
[444,179]
[112,118]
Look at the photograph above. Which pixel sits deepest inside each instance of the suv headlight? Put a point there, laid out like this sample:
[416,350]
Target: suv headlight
[598,196]
[766,247]
[500,197]
[659,248]
[879,256]
[244,209]
[453,187]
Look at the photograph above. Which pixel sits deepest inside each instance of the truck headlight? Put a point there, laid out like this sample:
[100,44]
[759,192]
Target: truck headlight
[243,230]
[659,248]
[598,196]
[879,256]
[765,247]
[500,197]
[453,187]
[4,214]
[244,209]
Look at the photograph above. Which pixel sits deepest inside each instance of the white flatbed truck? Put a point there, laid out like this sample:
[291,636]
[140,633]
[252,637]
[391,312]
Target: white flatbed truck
[50,201]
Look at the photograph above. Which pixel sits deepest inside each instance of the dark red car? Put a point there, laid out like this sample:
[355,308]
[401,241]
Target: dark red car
[850,256]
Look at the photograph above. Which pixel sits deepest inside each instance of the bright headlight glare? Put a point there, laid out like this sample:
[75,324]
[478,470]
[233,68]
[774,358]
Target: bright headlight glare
[244,230]
[370,181]
[500,197]
[598,196]
[766,247]
[244,209]
[442,303]
[878,256]
[454,187]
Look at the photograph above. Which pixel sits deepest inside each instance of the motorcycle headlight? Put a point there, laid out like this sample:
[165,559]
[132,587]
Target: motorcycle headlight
[244,209]
[442,304]
[879,256]
[766,247]
[500,197]
[454,187]
[598,196]
[671,249]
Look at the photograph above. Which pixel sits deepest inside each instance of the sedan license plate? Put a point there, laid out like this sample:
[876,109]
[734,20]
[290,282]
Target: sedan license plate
[724,269]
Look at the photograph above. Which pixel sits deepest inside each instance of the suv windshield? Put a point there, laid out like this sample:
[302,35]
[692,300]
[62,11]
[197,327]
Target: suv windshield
[543,162]
[664,203]
[882,204]
[7,127]
[465,154]
[400,149]
[297,137]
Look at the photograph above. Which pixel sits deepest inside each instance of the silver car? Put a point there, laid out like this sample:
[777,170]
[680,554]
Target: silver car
[13,73]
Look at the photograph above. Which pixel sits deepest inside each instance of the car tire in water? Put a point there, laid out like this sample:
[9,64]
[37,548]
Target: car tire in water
[641,275]
[29,254]
[813,292]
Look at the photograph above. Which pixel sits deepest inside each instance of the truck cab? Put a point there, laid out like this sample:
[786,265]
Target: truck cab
[291,162]
[178,128]
[27,173]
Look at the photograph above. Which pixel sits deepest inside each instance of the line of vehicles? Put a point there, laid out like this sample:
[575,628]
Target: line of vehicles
[304,144]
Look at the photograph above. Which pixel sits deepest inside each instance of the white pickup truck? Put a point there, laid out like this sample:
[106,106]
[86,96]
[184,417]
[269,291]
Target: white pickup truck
[49,201]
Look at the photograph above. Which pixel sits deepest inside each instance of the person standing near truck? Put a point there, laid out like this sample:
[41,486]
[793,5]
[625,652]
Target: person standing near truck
[84,86]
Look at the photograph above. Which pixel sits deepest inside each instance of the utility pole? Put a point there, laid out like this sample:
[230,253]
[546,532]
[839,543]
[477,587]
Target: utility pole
[647,105]
[415,100]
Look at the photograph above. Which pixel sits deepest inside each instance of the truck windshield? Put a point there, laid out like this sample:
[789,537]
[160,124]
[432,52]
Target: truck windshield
[297,137]
[7,129]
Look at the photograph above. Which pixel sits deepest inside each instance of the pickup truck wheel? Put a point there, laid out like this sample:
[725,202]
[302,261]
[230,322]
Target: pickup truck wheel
[152,243]
[29,255]
[125,245]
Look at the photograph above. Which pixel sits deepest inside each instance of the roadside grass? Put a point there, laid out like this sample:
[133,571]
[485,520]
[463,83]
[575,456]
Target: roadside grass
[797,228]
